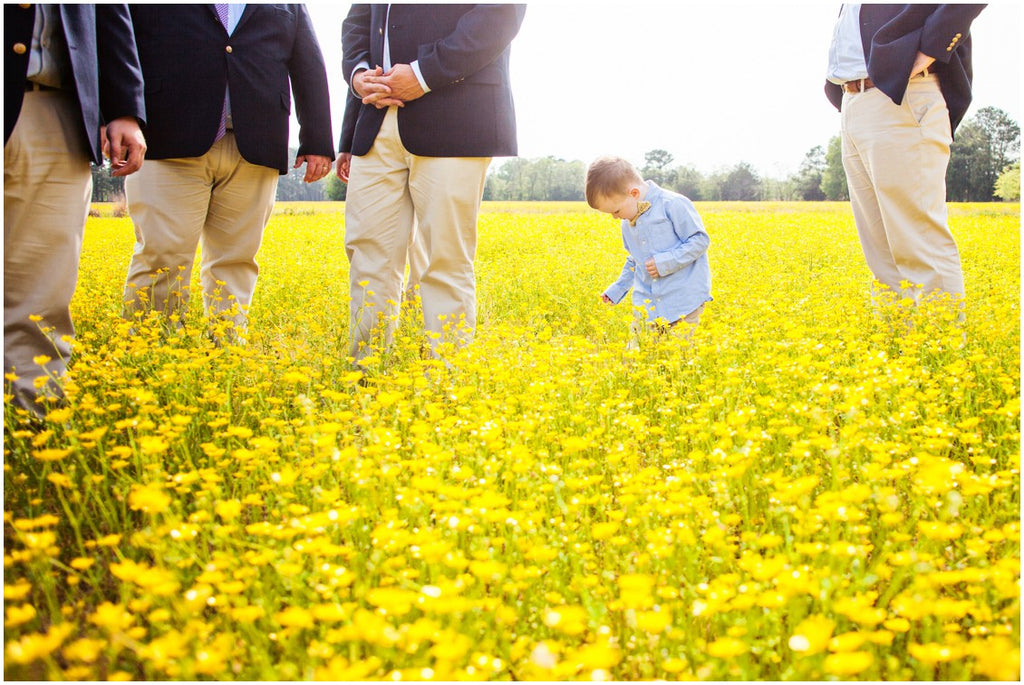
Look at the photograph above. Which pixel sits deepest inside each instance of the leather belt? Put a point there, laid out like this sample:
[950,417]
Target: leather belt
[858,86]
[32,85]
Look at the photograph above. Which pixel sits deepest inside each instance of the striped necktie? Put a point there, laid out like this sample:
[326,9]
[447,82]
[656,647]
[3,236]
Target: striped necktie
[222,128]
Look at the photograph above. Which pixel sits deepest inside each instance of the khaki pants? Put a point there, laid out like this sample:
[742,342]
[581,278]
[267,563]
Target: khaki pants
[895,157]
[219,199]
[47,188]
[390,191]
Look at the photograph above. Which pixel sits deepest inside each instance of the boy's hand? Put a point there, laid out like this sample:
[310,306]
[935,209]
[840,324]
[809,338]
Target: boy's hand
[652,268]
[606,299]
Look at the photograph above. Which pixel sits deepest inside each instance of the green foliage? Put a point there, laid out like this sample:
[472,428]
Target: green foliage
[833,177]
[334,188]
[985,144]
[106,188]
[808,178]
[543,179]
[1008,183]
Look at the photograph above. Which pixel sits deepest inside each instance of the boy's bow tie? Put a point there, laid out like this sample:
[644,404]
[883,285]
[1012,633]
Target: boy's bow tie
[641,207]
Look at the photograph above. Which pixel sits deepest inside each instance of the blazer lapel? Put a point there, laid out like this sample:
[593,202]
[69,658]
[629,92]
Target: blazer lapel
[250,9]
[213,11]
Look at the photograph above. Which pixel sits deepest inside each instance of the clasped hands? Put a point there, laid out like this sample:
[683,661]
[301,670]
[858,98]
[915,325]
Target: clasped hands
[394,87]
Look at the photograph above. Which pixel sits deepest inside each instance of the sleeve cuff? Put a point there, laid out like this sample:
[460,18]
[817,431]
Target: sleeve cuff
[351,77]
[616,293]
[419,76]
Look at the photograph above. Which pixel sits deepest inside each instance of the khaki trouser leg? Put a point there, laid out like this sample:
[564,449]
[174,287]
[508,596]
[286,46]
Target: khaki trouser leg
[895,159]
[218,199]
[391,194]
[378,228]
[446,192]
[47,188]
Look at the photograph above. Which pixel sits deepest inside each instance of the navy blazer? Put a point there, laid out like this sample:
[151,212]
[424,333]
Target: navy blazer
[188,60]
[892,35]
[463,54]
[107,79]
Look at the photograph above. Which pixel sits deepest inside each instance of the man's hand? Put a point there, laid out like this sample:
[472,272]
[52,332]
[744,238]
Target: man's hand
[606,299]
[344,165]
[921,62]
[372,88]
[317,166]
[124,145]
[402,81]
[395,87]
[652,268]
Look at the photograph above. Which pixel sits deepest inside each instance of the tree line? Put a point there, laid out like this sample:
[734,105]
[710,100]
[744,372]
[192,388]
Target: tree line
[984,166]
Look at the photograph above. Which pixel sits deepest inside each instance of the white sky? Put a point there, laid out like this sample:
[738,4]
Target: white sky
[714,83]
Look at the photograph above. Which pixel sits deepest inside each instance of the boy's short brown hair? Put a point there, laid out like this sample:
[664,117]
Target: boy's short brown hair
[608,176]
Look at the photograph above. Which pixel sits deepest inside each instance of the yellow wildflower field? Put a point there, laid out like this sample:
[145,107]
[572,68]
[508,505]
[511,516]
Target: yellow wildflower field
[815,486]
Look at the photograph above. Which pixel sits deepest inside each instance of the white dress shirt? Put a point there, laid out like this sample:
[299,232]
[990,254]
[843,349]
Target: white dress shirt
[846,55]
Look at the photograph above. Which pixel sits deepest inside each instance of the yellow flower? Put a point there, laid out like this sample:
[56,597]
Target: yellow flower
[812,634]
[294,617]
[848,663]
[82,563]
[727,648]
[571,620]
[598,656]
[28,648]
[228,510]
[149,498]
[654,621]
[51,454]
[112,617]
[84,649]
[932,652]
[16,615]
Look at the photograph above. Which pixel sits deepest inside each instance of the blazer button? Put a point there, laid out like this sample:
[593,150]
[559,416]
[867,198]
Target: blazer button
[228,49]
[20,49]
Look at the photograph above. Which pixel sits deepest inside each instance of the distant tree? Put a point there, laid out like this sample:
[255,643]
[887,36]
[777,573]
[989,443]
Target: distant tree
[969,177]
[985,144]
[656,167]
[334,189]
[712,186]
[687,181]
[741,183]
[1003,134]
[784,190]
[105,188]
[808,178]
[1008,183]
[546,178]
[833,176]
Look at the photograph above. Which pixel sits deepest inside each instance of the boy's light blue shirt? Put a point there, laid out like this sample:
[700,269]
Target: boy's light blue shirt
[670,231]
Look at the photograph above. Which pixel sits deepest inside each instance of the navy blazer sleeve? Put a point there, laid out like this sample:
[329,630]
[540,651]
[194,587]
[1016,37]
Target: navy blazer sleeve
[308,76]
[482,34]
[120,74]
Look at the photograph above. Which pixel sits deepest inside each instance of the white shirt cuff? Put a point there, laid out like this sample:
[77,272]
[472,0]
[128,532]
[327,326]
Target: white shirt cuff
[352,76]
[419,76]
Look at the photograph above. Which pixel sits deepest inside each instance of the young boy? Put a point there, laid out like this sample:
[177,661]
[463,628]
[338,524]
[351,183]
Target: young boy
[667,266]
